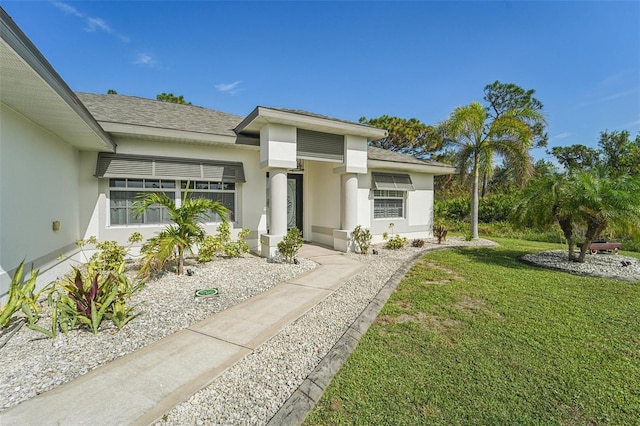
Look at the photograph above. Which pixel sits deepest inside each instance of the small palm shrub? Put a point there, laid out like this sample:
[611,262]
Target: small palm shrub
[362,238]
[291,244]
[181,236]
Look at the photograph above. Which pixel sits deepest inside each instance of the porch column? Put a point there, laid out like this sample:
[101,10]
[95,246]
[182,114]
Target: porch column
[348,212]
[350,201]
[277,212]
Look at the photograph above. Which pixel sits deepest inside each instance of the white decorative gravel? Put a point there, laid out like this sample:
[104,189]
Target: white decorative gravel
[31,363]
[603,265]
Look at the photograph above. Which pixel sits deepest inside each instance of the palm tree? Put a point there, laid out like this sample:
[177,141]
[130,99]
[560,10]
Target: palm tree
[544,202]
[478,137]
[588,199]
[605,202]
[183,234]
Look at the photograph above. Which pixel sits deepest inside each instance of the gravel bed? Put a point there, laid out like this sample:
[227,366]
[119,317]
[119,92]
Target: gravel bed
[31,363]
[595,265]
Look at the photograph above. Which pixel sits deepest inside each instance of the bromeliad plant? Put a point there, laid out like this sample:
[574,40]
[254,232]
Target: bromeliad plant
[180,236]
[22,296]
[88,297]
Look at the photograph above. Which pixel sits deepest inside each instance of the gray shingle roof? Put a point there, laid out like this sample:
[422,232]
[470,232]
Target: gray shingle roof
[380,154]
[165,115]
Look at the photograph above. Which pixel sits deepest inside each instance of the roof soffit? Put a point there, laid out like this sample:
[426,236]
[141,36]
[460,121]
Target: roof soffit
[262,116]
[30,86]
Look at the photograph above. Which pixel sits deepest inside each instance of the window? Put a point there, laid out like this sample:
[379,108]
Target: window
[223,192]
[388,204]
[124,192]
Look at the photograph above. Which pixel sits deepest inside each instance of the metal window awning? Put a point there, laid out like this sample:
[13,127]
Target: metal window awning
[139,166]
[392,181]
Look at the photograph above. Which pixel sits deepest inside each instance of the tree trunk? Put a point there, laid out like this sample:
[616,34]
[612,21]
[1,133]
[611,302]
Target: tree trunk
[180,260]
[594,229]
[474,199]
[567,231]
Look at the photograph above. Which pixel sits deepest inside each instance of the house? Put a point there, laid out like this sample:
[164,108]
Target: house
[71,165]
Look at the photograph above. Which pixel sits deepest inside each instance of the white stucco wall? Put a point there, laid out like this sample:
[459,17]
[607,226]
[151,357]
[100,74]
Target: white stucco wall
[324,200]
[418,215]
[39,184]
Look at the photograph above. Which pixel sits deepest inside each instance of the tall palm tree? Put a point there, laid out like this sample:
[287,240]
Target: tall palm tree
[478,137]
[184,233]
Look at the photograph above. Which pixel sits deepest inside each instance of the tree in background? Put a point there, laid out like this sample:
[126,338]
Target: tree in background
[575,157]
[617,153]
[405,136]
[111,92]
[500,98]
[170,97]
[477,137]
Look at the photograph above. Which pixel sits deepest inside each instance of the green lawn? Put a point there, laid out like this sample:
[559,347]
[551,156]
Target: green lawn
[475,337]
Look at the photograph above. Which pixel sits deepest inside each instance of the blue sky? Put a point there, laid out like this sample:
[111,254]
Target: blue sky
[353,59]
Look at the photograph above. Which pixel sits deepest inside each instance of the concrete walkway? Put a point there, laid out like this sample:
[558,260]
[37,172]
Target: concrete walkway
[140,387]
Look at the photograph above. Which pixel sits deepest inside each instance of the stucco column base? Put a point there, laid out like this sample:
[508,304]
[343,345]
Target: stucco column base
[342,240]
[269,245]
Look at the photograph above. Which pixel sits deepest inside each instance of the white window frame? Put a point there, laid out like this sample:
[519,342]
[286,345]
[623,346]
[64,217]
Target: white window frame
[174,189]
[223,189]
[383,195]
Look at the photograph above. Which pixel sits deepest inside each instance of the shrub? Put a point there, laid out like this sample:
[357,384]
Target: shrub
[396,242]
[440,232]
[418,242]
[291,244]
[222,243]
[362,238]
[110,255]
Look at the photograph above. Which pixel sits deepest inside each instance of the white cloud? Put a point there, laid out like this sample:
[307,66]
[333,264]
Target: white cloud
[92,24]
[231,88]
[144,59]
[68,9]
[97,23]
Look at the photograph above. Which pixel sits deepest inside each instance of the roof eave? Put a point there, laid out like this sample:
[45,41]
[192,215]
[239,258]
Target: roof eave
[261,116]
[421,168]
[13,36]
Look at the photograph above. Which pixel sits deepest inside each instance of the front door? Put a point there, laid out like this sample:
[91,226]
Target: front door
[294,201]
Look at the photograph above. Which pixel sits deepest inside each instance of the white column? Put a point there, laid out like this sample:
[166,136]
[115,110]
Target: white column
[278,201]
[277,213]
[350,201]
[348,212]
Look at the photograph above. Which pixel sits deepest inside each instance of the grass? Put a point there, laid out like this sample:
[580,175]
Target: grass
[475,337]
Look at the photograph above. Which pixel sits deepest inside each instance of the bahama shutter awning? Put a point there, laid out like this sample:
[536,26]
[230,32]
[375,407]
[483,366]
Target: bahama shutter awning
[392,181]
[139,166]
